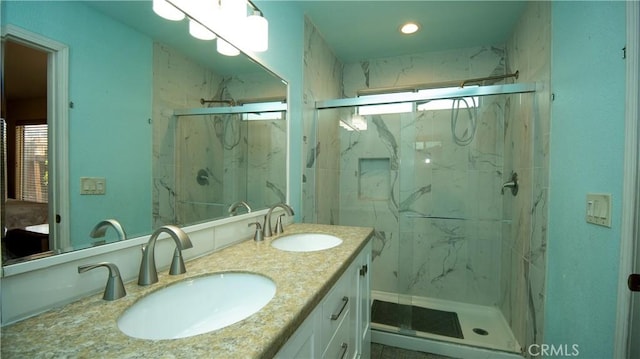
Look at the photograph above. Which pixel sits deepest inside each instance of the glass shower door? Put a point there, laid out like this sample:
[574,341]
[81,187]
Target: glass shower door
[429,181]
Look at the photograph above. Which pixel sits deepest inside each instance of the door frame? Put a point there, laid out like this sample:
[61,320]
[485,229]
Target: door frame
[58,128]
[630,239]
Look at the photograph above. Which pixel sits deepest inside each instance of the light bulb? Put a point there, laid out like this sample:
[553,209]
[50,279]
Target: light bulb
[167,11]
[233,14]
[200,32]
[257,32]
[409,28]
[226,49]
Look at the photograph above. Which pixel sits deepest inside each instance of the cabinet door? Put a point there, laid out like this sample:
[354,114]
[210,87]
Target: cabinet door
[304,342]
[363,321]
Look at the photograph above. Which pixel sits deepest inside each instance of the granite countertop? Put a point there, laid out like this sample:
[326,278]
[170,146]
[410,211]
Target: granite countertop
[87,328]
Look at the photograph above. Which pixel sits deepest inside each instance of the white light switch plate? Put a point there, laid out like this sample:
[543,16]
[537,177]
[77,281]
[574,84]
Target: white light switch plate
[599,209]
[93,185]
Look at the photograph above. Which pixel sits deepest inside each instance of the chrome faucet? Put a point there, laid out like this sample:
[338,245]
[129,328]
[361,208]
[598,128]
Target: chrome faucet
[148,271]
[101,228]
[513,184]
[234,207]
[266,229]
[114,288]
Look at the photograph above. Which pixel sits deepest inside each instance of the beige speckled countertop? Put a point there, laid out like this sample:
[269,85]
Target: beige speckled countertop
[87,328]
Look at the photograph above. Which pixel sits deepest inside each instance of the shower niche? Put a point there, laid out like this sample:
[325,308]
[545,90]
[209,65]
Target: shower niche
[374,179]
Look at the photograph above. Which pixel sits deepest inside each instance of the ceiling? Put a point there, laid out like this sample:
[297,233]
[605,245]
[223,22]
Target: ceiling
[355,30]
[140,16]
[367,29]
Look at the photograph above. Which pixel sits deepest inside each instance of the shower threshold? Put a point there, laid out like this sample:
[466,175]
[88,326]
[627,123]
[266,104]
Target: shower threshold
[481,326]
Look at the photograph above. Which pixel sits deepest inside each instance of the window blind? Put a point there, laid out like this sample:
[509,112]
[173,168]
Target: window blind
[33,173]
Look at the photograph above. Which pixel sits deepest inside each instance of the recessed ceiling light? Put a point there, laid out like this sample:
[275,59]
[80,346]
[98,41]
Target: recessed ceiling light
[409,28]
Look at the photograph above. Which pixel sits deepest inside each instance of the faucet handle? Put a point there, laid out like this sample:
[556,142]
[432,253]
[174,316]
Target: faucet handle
[114,288]
[258,236]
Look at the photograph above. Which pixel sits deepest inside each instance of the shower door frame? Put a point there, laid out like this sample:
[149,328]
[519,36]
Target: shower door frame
[423,96]
[426,95]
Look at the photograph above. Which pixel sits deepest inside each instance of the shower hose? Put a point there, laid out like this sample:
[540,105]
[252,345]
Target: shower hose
[467,137]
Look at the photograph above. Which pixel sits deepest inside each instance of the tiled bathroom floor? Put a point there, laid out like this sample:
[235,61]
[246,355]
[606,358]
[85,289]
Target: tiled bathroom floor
[379,351]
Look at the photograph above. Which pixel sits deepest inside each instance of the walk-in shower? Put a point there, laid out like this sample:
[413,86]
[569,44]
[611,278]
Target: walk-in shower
[427,169]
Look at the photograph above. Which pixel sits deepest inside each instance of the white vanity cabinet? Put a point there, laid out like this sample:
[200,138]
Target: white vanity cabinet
[340,325]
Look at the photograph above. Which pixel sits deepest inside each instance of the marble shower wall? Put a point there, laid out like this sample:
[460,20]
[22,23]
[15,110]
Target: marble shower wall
[321,141]
[528,122]
[438,225]
[204,163]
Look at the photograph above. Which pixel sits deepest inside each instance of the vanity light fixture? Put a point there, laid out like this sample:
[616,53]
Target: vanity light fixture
[257,38]
[167,11]
[225,48]
[209,12]
[228,18]
[409,28]
[200,32]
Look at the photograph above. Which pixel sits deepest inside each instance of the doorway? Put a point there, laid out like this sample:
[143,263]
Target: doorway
[27,176]
[35,116]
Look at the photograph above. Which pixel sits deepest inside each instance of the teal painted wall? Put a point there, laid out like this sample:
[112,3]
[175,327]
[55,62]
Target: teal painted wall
[587,150]
[110,84]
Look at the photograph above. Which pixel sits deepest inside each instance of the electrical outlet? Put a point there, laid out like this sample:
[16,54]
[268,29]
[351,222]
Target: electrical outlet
[599,209]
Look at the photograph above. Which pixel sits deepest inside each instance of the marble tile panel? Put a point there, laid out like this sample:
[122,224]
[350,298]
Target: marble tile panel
[537,288]
[321,139]
[421,68]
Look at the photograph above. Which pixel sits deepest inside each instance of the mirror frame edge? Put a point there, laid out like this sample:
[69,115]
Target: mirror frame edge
[62,258]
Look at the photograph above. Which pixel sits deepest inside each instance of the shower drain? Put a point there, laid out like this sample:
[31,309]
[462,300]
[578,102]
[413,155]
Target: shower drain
[480,331]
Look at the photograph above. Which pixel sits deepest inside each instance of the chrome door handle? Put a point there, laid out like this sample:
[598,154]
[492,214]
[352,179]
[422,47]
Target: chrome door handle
[634,282]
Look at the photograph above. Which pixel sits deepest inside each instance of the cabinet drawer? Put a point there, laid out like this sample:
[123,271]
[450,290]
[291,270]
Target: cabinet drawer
[336,308]
[341,346]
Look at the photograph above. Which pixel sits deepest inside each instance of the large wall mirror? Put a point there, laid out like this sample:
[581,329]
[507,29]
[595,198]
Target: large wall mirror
[160,128]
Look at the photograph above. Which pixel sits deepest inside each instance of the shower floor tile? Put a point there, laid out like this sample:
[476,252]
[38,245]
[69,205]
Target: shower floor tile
[481,326]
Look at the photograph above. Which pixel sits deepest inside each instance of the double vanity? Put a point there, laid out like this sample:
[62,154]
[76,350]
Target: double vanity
[290,295]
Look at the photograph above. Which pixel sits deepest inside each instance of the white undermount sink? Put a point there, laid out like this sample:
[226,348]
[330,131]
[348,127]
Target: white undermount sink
[197,305]
[306,242]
